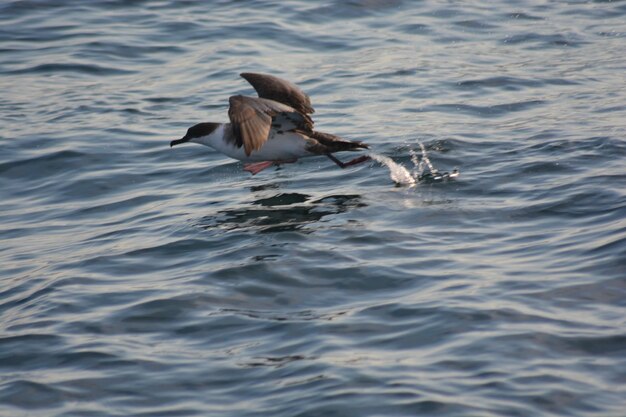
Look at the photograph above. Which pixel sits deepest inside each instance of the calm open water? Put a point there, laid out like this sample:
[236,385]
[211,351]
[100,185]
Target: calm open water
[139,280]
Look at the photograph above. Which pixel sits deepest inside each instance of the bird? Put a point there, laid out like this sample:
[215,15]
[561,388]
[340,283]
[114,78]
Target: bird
[272,129]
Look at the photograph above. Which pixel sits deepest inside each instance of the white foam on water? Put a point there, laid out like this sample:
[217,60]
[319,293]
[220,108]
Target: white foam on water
[398,173]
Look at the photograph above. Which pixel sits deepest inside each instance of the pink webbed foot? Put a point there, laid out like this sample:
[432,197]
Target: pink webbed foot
[257,167]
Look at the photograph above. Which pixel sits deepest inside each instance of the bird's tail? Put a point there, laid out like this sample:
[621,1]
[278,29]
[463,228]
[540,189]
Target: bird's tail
[334,143]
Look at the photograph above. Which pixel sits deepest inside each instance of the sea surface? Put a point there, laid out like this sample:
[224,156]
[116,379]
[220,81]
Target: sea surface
[139,280]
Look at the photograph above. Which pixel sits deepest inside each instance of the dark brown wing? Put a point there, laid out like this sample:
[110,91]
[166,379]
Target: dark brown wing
[282,91]
[252,119]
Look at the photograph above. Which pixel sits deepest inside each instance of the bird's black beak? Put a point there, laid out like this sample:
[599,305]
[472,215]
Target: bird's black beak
[179,141]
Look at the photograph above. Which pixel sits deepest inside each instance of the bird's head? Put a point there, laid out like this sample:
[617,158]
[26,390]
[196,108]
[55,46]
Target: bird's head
[194,133]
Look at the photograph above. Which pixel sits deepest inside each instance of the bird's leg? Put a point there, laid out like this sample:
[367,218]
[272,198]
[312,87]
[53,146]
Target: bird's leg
[358,160]
[354,161]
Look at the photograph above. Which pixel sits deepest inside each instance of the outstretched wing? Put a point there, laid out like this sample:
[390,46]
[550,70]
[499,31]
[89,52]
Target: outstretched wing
[282,91]
[252,119]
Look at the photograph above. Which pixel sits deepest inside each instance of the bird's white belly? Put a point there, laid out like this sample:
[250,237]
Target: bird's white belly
[279,147]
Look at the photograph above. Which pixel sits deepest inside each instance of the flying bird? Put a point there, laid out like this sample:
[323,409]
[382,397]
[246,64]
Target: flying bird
[271,129]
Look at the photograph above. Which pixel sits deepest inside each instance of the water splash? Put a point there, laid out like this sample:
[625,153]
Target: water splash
[401,175]
[425,158]
[398,173]
[418,165]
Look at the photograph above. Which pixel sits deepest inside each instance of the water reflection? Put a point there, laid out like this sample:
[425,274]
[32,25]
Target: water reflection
[281,212]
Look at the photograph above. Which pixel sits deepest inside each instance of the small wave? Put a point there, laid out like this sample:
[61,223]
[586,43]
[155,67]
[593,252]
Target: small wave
[353,9]
[31,395]
[513,82]
[79,68]
[122,205]
[475,24]
[552,40]
[42,166]
[485,111]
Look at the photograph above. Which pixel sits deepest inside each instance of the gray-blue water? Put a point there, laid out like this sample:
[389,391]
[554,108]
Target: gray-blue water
[139,280]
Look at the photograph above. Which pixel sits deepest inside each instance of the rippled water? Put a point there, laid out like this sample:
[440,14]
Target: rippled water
[143,280]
